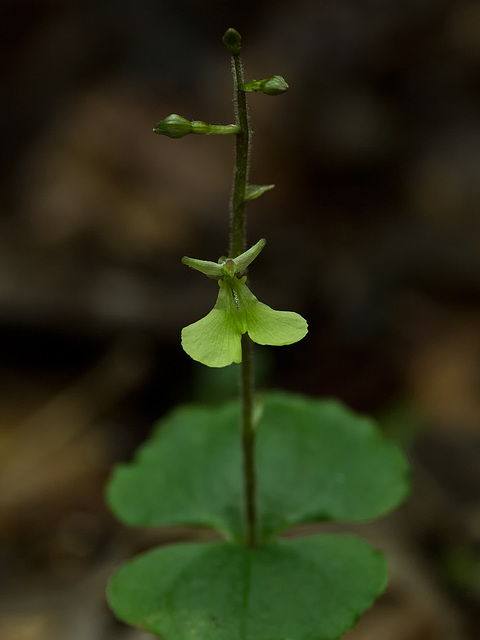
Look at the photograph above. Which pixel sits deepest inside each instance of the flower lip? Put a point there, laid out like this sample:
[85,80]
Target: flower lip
[215,340]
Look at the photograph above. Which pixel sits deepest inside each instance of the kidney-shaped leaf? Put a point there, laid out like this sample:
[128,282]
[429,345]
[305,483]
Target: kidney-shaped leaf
[316,461]
[311,588]
[188,472]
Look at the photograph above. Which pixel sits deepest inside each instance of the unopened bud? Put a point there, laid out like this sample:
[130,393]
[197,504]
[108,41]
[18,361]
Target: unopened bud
[233,41]
[174,126]
[274,86]
[271,86]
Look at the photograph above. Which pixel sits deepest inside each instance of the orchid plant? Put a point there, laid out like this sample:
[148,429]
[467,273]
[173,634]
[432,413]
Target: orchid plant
[294,460]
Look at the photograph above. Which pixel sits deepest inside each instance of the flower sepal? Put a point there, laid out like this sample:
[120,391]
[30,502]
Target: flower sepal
[226,266]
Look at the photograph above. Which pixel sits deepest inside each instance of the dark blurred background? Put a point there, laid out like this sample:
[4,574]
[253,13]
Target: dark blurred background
[373,235]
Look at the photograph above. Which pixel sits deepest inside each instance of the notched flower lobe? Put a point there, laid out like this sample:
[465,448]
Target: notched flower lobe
[215,340]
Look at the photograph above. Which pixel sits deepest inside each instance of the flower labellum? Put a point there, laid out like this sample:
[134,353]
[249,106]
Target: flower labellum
[215,340]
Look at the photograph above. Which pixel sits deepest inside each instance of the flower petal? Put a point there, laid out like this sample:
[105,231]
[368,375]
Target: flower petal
[277,328]
[215,340]
[264,324]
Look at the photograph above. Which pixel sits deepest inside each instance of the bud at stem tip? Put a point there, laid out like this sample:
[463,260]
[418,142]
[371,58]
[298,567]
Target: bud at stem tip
[233,41]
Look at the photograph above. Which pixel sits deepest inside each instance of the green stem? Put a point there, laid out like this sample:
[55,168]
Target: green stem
[238,222]
[202,128]
[238,246]
[248,442]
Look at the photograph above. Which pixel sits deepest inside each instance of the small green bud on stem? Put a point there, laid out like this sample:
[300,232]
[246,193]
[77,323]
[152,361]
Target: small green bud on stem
[175,126]
[233,41]
[273,86]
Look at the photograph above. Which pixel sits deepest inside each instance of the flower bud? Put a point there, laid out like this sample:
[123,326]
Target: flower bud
[174,126]
[233,41]
[273,86]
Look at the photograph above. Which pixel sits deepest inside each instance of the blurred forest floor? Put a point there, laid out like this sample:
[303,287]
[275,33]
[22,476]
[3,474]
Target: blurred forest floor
[373,235]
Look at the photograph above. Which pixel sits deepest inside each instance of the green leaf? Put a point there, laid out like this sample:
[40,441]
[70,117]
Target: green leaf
[256,190]
[188,472]
[316,461]
[311,588]
[319,461]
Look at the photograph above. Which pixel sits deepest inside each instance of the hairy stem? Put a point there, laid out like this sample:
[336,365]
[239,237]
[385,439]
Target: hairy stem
[237,246]
[237,204]
[248,442]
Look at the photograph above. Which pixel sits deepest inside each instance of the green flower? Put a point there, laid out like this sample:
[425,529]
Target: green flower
[215,340]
